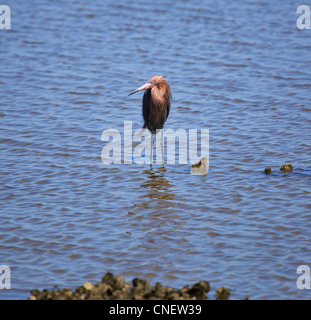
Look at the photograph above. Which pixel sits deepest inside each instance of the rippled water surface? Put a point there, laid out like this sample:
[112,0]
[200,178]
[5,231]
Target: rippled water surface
[239,68]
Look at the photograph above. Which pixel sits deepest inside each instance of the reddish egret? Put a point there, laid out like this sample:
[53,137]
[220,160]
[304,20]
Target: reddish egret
[156,106]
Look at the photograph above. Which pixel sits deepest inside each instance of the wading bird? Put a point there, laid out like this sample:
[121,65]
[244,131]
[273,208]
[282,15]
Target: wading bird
[156,106]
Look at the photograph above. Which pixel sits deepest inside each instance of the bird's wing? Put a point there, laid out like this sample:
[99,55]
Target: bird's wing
[168,104]
[146,102]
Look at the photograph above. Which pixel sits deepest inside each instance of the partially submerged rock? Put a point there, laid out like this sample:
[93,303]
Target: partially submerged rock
[286,167]
[267,170]
[200,167]
[222,293]
[114,288]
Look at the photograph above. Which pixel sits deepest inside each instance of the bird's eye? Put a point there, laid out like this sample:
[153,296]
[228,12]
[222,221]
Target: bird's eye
[152,82]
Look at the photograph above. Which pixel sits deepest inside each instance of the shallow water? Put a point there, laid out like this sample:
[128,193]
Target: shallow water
[240,69]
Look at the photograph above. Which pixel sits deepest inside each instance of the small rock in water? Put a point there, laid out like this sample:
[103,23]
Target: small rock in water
[267,170]
[286,167]
[200,167]
[87,286]
[222,293]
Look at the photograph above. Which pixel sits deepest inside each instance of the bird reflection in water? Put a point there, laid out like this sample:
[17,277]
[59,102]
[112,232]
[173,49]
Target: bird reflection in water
[157,192]
[157,184]
[155,216]
[155,222]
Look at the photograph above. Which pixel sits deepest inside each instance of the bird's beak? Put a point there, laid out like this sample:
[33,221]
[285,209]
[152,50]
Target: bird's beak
[143,87]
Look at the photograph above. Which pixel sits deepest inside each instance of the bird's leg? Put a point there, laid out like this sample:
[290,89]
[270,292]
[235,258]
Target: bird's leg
[151,147]
[162,146]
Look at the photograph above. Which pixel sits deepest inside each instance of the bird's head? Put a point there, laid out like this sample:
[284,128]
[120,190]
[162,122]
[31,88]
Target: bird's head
[154,81]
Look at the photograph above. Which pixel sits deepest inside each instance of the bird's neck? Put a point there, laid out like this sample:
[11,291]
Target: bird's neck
[157,95]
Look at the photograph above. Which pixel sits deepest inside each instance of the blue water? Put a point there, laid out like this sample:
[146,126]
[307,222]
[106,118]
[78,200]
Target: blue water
[240,69]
